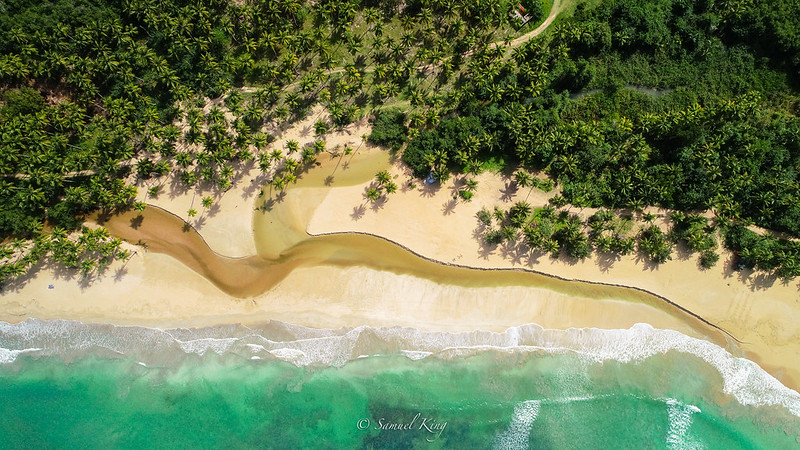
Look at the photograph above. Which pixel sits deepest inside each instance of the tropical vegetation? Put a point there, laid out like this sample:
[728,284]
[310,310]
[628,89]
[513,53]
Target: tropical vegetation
[690,106]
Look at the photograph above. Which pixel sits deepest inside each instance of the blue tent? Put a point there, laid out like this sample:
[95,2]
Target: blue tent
[431,179]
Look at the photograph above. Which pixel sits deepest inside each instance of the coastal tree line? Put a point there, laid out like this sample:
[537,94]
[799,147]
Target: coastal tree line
[686,105]
[690,106]
[96,95]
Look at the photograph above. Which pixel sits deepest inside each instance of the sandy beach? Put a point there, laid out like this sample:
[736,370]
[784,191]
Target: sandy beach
[250,259]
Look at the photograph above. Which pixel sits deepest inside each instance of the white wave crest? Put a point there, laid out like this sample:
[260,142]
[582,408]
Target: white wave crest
[8,356]
[742,378]
[680,420]
[201,346]
[517,435]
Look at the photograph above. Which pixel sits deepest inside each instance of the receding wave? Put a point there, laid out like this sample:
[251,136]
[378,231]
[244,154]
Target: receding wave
[518,433]
[742,379]
[680,420]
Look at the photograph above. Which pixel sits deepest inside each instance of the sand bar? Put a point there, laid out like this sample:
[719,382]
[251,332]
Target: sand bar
[186,278]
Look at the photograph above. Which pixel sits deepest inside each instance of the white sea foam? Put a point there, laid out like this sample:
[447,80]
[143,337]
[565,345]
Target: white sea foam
[742,379]
[290,354]
[518,433]
[8,356]
[680,420]
[415,355]
[201,346]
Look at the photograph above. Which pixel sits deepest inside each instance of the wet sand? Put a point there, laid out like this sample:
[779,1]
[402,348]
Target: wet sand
[416,273]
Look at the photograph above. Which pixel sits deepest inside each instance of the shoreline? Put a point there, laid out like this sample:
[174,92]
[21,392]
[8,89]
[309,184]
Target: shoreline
[330,291]
[755,311]
[537,272]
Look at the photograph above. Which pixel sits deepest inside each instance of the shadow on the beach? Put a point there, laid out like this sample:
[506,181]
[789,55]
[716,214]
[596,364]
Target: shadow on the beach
[534,256]
[213,210]
[120,273]
[255,183]
[408,185]
[267,205]
[200,222]
[485,249]
[519,251]
[86,281]
[568,260]
[606,260]
[430,190]
[762,281]
[358,212]
[177,187]
[449,206]
[136,222]
[645,261]
[508,191]
[379,203]
[458,183]
[59,272]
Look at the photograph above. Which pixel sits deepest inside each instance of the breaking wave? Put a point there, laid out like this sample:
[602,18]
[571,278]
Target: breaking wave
[742,379]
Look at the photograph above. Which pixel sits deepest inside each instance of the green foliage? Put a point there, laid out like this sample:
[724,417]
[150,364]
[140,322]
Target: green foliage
[63,215]
[769,27]
[320,127]
[684,105]
[389,129]
[518,214]
[654,245]
[90,251]
[447,144]
[493,237]
[558,201]
[484,216]
[571,238]
[20,102]
[764,252]
[694,231]
[708,259]
[535,9]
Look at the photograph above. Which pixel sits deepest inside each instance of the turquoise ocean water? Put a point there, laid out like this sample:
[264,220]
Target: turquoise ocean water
[68,384]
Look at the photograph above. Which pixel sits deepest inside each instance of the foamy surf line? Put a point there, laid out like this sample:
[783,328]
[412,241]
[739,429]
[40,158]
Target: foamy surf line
[742,378]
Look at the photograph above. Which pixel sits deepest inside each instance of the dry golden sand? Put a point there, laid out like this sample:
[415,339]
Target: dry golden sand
[761,313]
[334,281]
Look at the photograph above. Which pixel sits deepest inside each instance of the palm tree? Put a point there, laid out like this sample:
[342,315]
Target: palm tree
[373,194]
[207,202]
[383,177]
[292,146]
[518,214]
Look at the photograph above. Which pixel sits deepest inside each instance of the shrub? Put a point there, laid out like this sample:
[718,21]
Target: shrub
[389,129]
[708,259]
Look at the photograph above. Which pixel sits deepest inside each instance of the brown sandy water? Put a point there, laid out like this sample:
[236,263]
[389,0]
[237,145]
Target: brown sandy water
[279,230]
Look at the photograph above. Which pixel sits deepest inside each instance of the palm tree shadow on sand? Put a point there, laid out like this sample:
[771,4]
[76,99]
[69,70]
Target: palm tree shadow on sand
[449,206]
[358,212]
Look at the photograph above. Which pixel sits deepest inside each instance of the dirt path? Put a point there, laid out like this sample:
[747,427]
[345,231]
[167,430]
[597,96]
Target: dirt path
[554,11]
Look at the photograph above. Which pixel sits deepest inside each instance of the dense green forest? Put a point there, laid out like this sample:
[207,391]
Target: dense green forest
[96,95]
[686,105]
